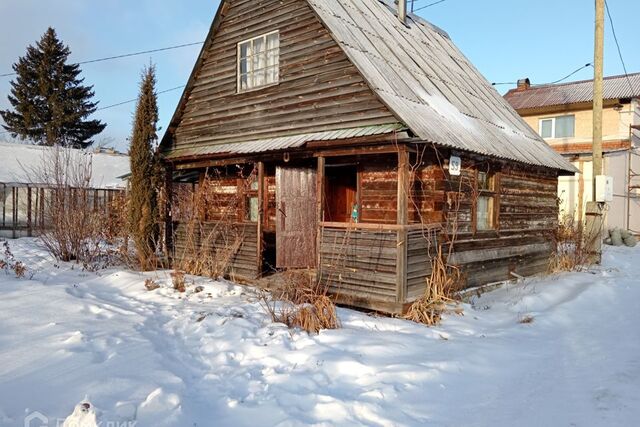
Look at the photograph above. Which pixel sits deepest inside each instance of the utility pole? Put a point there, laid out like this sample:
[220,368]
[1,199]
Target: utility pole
[595,210]
[598,75]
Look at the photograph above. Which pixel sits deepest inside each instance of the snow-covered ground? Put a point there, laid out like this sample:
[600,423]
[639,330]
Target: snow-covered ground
[213,359]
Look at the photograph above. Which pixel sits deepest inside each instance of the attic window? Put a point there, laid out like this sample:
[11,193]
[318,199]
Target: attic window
[259,62]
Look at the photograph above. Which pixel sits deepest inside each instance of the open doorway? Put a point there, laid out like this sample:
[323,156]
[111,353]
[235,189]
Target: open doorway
[341,193]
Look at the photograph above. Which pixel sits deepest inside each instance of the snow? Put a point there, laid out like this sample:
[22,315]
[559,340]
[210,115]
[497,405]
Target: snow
[161,358]
[20,160]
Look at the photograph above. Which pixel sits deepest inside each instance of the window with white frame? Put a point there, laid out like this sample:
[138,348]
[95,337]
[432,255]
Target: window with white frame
[558,127]
[259,61]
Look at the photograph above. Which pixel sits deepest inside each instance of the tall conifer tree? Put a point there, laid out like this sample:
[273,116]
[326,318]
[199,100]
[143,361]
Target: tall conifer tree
[143,207]
[50,103]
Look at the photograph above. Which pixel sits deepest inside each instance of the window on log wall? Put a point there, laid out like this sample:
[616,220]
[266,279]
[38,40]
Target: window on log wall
[259,62]
[486,203]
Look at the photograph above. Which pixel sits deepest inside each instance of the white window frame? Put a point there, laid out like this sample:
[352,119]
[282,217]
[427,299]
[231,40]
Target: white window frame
[250,71]
[553,126]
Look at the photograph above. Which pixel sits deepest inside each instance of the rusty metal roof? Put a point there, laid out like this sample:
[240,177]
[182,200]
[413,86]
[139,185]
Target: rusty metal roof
[283,142]
[426,81]
[615,87]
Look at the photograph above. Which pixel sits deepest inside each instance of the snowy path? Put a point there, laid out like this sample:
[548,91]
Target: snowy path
[212,359]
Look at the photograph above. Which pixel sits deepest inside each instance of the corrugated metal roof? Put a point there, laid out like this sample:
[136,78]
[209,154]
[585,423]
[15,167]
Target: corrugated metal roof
[284,142]
[429,84]
[615,87]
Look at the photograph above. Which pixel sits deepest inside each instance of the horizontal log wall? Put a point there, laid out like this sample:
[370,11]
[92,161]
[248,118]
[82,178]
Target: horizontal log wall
[421,247]
[188,243]
[526,216]
[319,89]
[359,264]
[379,191]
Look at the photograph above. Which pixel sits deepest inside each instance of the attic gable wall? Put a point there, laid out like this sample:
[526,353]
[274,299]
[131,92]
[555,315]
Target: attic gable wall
[319,88]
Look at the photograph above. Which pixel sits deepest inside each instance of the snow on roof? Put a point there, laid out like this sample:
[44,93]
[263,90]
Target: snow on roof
[424,80]
[429,84]
[17,161]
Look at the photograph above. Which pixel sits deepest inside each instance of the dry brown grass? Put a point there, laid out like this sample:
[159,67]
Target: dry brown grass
[438,298]
[570,252]
[208,215]
[178,281]
[526,319]
[151,285]
[301,303]
[9,263]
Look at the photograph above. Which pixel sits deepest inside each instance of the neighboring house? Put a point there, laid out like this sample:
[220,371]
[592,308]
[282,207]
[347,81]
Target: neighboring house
[24,190]
[563,115]
[345,116]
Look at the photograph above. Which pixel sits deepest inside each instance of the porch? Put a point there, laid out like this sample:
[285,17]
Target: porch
[343,215]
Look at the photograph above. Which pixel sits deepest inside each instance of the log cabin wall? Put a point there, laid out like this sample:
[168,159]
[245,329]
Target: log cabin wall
[215,239]
[525,214]
[319,89]
[212,217]
[359,265]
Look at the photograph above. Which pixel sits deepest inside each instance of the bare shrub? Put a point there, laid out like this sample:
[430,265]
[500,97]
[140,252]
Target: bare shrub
[301,303]
[445,279]
[209,216]
[9,263]
[444,282]
[72,228]
[570,252]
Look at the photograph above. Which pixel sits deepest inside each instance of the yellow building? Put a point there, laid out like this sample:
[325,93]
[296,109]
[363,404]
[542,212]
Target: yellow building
[562,114]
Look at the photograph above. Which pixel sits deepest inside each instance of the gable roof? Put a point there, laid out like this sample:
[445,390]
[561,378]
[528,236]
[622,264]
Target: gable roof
[21,161]
[425,81]
[615,87]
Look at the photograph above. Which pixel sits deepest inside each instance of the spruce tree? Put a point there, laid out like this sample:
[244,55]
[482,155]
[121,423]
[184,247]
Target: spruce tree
[50,103]
[143,206]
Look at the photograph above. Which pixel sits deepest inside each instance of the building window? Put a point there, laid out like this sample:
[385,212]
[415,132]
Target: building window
[259,62]
[252,202]
[486,202]
[558,127]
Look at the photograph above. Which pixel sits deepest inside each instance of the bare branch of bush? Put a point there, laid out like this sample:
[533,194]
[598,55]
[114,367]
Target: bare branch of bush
[570,252]
[9,263]
[209,214]
[301,303]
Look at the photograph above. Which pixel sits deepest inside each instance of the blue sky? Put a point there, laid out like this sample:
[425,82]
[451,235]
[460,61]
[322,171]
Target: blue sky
[506,40]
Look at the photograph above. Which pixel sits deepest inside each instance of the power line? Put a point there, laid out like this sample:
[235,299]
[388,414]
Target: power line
[615,38]
[570,74]
[136,99]
[551,83]
[428,5]
[126,55]
[124,102]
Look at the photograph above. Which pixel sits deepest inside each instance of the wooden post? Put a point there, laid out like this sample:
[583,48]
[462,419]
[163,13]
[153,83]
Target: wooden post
[29,217]
[260,237]
[168,220]
[319,210]
[402,219]
[597,93]
[14,208]
[595,210]
[4,204]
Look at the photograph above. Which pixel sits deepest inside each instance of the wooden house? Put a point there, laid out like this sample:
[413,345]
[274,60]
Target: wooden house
[354,138]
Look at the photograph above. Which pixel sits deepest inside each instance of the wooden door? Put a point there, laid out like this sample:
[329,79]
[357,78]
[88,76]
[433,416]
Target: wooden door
[296,221]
